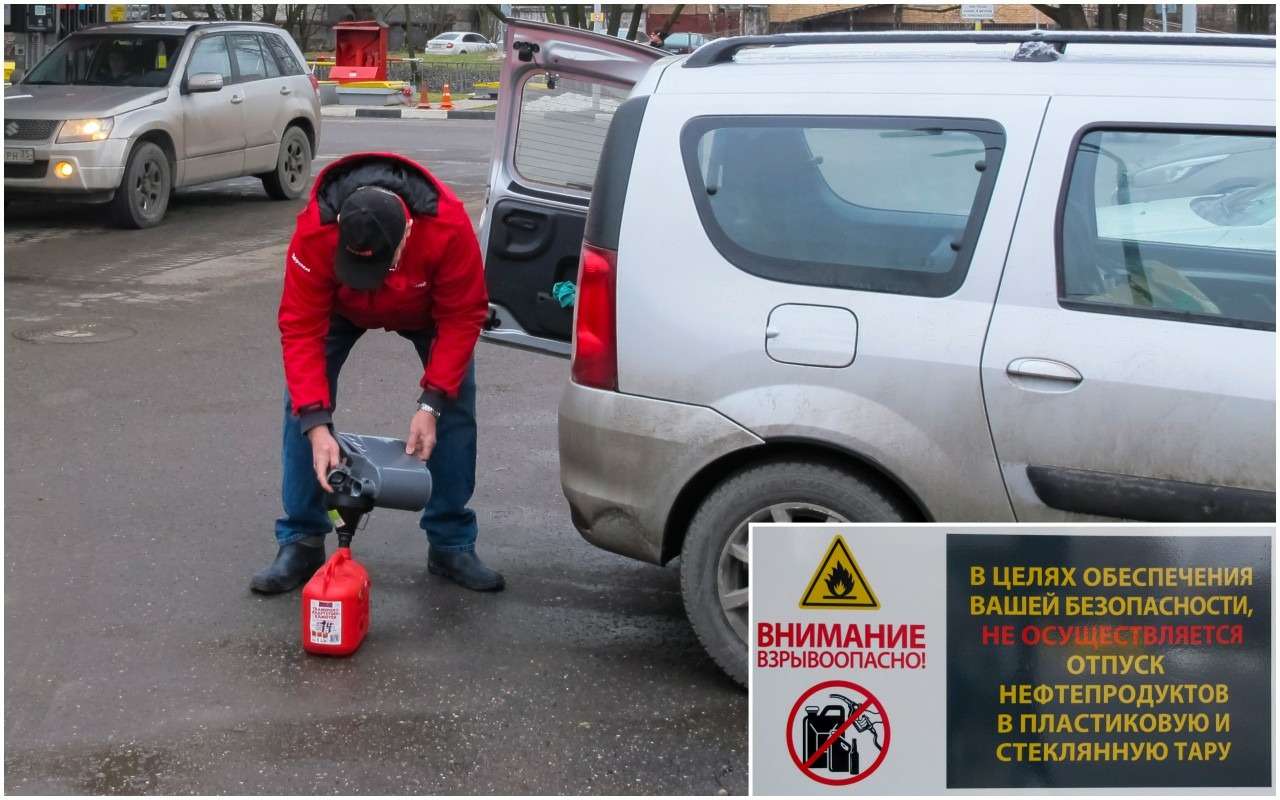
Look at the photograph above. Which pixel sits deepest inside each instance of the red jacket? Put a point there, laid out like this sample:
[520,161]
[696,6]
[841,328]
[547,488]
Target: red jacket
[438,282]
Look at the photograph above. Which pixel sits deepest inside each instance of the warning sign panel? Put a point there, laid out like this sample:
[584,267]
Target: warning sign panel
[838,582]
[1006,657]
[1108,661]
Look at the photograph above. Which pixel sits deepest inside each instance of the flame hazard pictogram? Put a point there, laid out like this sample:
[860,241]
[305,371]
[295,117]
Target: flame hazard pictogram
[838,582]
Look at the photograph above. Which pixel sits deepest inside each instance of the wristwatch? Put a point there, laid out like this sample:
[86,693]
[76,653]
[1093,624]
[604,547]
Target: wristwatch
[429,409]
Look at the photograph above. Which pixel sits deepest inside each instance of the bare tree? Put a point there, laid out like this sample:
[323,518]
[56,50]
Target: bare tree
[613,20]
[671,21]
[633,31]
[1067,16]
[1254,18]
[302,21]
[578,16]
[1110,17]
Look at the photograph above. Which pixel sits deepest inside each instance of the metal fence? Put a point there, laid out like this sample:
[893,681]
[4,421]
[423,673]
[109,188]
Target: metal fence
[460,77]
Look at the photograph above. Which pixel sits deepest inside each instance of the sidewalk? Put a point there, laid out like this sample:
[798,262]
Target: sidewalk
[468,107]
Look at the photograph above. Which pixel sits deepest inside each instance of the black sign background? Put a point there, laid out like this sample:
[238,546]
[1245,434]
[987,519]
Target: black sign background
[975,672]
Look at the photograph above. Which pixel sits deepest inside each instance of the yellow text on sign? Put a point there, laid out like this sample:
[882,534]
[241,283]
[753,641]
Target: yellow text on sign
[838,582]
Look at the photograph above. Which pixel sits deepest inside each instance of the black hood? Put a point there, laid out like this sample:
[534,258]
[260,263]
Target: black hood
[386,171]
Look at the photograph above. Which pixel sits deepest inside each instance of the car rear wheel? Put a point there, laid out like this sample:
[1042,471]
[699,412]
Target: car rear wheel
[143,195]
[293,167]
[715,560]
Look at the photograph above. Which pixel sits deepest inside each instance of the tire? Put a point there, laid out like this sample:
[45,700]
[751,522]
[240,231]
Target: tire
[714,556]
[293,167]
[143,195]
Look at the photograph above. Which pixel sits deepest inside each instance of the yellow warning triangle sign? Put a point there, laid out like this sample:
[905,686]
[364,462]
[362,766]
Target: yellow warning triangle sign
[838,582]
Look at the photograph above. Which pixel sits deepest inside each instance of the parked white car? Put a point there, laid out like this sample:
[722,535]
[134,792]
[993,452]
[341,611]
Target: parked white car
[1001,276]
[458,43]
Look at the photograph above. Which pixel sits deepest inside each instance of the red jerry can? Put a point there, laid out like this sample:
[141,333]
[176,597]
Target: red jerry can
[335,606]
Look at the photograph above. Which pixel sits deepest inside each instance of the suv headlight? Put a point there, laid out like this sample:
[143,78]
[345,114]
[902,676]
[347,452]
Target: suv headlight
[85,130]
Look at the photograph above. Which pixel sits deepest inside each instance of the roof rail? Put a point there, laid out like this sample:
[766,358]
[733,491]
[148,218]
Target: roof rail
[185,25]
[722,51]
[226,23]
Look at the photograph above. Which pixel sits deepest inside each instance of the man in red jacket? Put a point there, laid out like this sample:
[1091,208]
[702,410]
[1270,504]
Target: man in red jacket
[382,244]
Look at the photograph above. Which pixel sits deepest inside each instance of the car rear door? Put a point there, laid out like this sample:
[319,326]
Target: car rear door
[258,77]
[213,122]
[1129,368]
[560,88]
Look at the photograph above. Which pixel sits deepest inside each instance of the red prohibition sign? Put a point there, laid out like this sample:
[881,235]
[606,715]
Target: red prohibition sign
[870,702]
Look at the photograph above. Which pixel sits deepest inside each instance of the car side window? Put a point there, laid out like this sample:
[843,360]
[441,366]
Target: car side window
[289,65]
[210,55]
[1171,224]
[561,129]
[268,60]
[878,204]
[249,60]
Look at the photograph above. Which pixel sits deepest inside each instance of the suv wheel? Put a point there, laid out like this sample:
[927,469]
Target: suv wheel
[715,561]
[293,167]
[143,196]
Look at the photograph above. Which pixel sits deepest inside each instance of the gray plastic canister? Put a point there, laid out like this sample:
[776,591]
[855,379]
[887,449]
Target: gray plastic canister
[398,480]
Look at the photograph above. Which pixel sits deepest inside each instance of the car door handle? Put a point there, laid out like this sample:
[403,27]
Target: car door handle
[237,99]
[285,90]
[1043,369]
[517,221]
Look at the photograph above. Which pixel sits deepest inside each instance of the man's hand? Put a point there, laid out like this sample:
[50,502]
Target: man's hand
[422,435]
[325,454]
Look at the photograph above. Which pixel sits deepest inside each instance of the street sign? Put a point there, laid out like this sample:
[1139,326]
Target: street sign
[117,12]
[1010,657]
[597,16]
[977,13]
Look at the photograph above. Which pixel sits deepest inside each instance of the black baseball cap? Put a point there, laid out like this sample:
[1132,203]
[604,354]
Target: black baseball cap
[371,224]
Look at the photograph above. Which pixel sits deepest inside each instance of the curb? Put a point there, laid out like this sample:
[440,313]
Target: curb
[472,115]
[397,112]
[386,113]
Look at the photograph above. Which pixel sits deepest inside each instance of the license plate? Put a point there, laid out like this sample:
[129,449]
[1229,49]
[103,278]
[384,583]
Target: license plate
[19,155]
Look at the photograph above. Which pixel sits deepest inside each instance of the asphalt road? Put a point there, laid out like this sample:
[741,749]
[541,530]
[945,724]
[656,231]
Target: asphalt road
[143,390]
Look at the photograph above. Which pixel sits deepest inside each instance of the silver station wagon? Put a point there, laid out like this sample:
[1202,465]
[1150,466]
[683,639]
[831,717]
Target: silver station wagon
[1006,276]
[127,113]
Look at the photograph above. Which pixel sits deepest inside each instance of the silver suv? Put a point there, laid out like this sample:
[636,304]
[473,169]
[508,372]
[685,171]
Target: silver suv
[875,277]
[127,113]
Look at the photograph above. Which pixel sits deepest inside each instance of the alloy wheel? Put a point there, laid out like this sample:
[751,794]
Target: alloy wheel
[733,570]
[295,165]
[148,187]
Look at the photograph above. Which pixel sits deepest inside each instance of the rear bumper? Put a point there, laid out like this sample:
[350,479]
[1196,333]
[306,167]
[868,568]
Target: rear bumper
[99,167]
[624,460]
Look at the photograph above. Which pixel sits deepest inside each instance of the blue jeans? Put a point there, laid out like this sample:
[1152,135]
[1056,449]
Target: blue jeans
[449,524]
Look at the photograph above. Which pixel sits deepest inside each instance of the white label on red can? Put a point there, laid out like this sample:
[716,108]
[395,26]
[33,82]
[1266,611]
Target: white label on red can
[326,622]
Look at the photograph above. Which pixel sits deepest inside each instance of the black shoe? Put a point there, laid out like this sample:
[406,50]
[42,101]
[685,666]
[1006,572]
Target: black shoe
[294,566]
[465,569]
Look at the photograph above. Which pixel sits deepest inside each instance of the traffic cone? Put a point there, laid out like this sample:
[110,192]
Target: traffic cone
[424,97]
[446,99]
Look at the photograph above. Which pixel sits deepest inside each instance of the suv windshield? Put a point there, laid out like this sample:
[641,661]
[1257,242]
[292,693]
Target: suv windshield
[109,60]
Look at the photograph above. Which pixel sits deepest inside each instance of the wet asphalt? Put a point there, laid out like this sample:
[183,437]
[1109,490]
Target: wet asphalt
[143,399]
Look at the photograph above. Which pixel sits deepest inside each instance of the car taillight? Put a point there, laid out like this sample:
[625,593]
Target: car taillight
[595,335]
[315,82]
[449,45]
